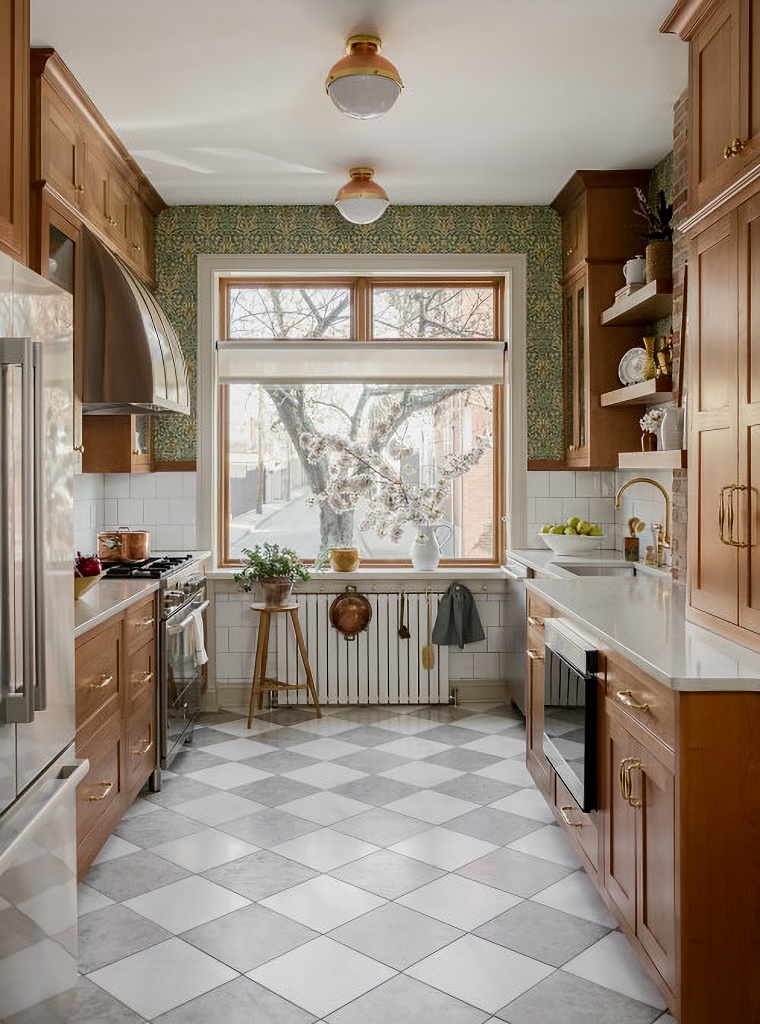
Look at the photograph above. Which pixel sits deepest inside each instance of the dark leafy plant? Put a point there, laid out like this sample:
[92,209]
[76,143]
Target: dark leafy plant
[270,561]
[658,219]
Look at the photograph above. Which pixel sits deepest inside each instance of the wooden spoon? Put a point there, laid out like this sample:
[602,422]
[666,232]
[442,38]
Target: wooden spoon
[428,651]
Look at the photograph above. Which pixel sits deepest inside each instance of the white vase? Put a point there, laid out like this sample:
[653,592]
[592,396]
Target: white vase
[426,554]
[671,429]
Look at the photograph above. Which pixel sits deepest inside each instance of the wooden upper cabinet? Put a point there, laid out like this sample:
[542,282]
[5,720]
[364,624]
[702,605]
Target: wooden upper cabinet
[724,84]
[14,127]
[77,158]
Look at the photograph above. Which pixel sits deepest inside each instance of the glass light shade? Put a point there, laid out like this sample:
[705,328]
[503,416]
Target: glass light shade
[363,84]
[361,200]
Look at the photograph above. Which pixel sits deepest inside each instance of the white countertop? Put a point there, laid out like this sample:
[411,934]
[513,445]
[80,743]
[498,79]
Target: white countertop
[643,619]
[107,598]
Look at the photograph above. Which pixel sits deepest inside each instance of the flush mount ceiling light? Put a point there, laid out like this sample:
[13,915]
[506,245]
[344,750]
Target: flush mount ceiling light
[361,200]
[363,84]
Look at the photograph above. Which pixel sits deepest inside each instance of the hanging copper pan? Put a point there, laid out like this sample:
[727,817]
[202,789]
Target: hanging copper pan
[350,613]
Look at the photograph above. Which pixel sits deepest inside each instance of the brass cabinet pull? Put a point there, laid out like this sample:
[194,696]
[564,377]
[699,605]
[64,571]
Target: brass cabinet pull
[566,818]
[107,787]
[623,780]
[624,696]
[104,681]
[722,513]
[633,763]
[145,622]
[113,223]
[137,247]
[136,451]
[535,655]
[79,188]
[734,147]
[146,678]
[533,620]
[735,543]
[148,746]
[79,448]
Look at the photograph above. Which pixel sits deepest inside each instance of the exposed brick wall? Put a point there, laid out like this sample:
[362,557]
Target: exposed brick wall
[680,254]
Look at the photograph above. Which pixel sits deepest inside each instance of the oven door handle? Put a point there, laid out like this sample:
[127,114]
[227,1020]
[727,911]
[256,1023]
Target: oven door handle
[186,621]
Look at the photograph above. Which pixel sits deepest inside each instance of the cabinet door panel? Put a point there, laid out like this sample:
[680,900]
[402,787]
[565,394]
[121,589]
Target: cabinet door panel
[620,831]
[748,502]
[14,127]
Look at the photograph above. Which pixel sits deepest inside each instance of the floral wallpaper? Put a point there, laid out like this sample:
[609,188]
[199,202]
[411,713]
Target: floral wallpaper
[185,231]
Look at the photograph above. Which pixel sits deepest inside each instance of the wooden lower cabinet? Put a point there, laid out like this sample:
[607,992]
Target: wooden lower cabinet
[116,710]
[673,845]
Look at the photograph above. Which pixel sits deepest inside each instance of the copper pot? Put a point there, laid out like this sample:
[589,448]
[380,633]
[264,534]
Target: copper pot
[350,613]
[124,545]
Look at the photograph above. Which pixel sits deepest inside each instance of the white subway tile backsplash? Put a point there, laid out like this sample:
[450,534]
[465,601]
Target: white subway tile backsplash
[460,665]
[221,640]
[171,485]
[485,666]
[588,485]
[549,510]
[110,513]
[130,512]
[189,488]
[181,511]
[168,538]
[488,612]
[142,485]
[562,485]
[156,510]
[496,639]
[538,484]
[189,538]
[242,638]
[116,485]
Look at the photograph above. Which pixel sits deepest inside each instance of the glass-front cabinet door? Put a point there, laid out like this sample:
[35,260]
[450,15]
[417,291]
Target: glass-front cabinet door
[575,370]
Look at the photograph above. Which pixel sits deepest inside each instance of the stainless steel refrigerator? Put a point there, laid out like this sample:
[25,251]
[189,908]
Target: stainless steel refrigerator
[38,770]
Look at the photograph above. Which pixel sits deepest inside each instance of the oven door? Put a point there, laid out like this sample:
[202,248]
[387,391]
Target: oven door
[570,726]
[181,677]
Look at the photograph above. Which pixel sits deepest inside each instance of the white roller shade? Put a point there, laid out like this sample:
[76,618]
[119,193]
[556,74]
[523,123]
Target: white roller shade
[388,362]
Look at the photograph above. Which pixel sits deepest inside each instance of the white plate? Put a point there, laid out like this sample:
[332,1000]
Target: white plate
[631,368]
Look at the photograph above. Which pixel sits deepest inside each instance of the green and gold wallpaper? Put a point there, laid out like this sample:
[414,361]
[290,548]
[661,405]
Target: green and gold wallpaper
[187,231]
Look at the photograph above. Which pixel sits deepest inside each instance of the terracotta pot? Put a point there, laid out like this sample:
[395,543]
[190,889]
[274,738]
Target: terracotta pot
[124,545]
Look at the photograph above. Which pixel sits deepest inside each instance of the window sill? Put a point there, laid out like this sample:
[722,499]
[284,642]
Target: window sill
[447,572]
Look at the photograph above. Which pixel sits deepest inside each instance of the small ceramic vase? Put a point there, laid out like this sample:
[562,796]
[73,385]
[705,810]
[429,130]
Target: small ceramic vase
[648,442]
[426,554]
[635,270]
[650,366]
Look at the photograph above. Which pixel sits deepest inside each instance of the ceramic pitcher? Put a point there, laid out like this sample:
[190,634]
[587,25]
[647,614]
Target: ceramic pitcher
[635,270]
[426,552]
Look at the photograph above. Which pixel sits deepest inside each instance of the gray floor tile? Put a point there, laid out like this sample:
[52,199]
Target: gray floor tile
[514,872]
[373,790]
[190,760]
[175,789]
[161,826]
[368,715]
[368,736]
[203,736]
[287,715]
[444,713]
[269,827]
[17,931]
[133,875]
[403,1000]
[396,935]
[260,875]
[494,826]
[217,717]
[372,760]
[387,874]
[381,827]
[112,933]
[455,735]
[284,738]
[465,760]
[476,788]
[87,1003]
[274,791]
[241,1001]
[249,937]
[569,1000]
[542,932]
[280,761]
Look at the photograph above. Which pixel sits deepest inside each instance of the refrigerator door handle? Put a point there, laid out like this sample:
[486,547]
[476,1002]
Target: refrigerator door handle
[19,704]
[38,526]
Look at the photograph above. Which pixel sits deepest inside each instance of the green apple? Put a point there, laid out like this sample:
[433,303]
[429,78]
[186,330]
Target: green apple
[570,531]
[546,528]
[557,529]
[595,531]
[573,521]
[583,527]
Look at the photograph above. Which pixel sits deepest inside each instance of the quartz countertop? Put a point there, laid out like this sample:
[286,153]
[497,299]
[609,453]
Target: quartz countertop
[108,598]
[643,619]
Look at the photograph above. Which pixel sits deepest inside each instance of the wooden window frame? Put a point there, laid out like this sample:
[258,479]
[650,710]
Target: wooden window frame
[361,319]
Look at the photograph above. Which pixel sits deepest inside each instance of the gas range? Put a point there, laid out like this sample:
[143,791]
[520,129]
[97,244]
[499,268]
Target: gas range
[157,567]
[180,578]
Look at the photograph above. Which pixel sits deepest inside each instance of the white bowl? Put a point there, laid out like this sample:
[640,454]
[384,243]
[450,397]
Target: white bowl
[571,544]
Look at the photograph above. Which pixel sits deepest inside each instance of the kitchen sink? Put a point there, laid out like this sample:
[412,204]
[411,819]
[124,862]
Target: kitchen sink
[600,570]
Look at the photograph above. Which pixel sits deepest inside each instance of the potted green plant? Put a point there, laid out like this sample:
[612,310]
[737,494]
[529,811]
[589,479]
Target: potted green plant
[659,235]
[274,570]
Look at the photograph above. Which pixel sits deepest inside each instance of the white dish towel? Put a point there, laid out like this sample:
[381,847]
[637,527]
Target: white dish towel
[197,639]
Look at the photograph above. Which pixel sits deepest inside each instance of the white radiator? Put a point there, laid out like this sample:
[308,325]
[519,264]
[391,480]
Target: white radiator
[377,667]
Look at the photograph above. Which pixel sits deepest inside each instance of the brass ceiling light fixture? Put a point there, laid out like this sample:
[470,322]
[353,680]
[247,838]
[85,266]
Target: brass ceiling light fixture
[363,84]
[361,200]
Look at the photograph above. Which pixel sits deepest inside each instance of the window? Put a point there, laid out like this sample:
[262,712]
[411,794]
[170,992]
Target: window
[352,411]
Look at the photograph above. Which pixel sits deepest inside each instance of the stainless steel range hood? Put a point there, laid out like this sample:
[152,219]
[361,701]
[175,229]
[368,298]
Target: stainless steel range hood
[131,359]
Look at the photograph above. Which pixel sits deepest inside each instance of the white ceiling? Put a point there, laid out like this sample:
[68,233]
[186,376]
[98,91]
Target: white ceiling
[224,102]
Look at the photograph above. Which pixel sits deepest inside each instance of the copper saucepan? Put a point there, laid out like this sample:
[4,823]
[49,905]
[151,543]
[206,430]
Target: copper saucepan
[350,613]
[123,545]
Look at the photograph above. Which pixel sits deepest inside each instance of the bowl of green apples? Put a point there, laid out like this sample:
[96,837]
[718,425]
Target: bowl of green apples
[575,536]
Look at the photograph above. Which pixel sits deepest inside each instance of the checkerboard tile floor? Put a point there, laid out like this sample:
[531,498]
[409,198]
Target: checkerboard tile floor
[378,864]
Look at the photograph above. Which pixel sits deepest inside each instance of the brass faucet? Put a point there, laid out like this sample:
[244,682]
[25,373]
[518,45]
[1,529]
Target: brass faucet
[663,539]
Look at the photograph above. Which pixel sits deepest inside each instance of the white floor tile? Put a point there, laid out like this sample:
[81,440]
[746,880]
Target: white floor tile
[157,979]
[186,903]
[140,807]
[407,725]
[576,895]
[217,808]
[325,849]
[323,903]
[513,772]
[113,848]
[459,901]
[421,773]
[327,749]
[203,850]
[325,775]
[325,808]
[321,975]
[612,963]
[238,750]
[326,726]
[239,727]
[480,972]
[228,776]
[549,844]
[413,747]
[528,803]
[431,806]
[483,723]
[443,848]
[89,899]
[499,746]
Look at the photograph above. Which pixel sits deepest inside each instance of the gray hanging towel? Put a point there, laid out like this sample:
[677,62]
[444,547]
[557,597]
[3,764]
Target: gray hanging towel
[457,621]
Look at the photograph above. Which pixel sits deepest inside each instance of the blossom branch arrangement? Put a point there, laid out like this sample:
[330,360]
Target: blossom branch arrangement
[650,421]
[378,471]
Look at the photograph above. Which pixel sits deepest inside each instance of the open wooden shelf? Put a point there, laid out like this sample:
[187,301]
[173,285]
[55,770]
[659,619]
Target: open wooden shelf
[651,302]
[673,459]
[646,392]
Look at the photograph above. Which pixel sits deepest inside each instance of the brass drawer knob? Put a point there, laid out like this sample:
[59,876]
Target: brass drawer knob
[624,696]
[565,812]
[535,655]
[534,620]
[105,680]
[148,746]
[144,622]
[106,786]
